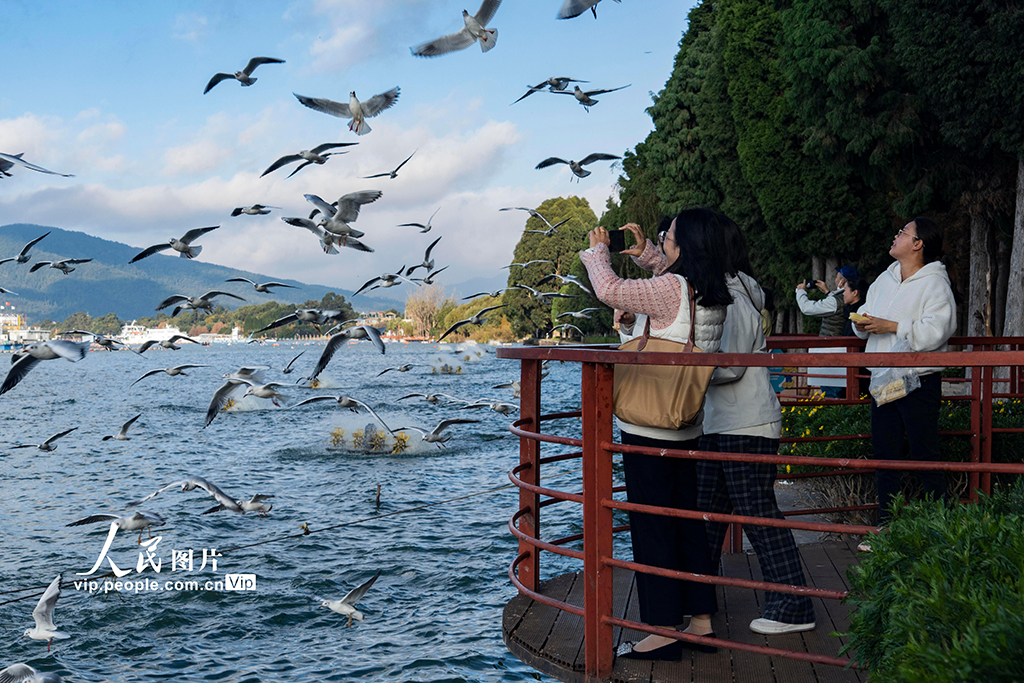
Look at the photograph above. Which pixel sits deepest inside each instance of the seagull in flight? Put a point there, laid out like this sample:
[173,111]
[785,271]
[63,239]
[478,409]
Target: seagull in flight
[346,606]
[494,295]
[254,210]
[314,316]
[176,370]
[183,246]
[586,98]
[565,326]
[336,341]
[63,265]
[345,402]
[123,434]
[263,288]
[7,162]
[384,281]
[23,256]
[191,483]
[564,279]
[104,341]
[432,399]
[428,262]
[194,303]
[23,673]
[328,240]
[435,435]
[537,214]
[423,228]
[166,343]
[336,217]
[574,8]
[391,174]
[429,279]
[555,83]
[245,75]
[256,504]
[579,315]
[355,110]
[577,166]
[544,297]
[474,30]
[287,370]
[403,368]
[477,319]
[527,264]
[45,629]
[48,445]
[316,155]
[141,519]
[27,359]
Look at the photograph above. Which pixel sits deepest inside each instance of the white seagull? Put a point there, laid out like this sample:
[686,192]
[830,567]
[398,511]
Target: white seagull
[433,399]
[263,288]
[43,616]
[384,281]
[245,75]
[391,174]
[176,370]
[316,155]
[194,303]
[123,434]
[166,343]
[527,264]
[554,83]
[429,279]
[536,214]
[287,370]
[63,265]
[428,262]
[423,228]
[48,445]
[23,673]
[403,368]
[476,319]
[254,210]
[544,297]
[564,279]
[574,8]
[314,316]
[102,340]
[565,326]
[494,295]
[346,606]
[7,291]
[328,241]
[583,314]
[183,246]
[7,162]
[140,519]
[256,504]
[336,341]
[435,435]
[23,256]
[577,166]
[473,31]
[586,98]
[336,217]
[191,483]
[345,402]
[47,350]
[355,110]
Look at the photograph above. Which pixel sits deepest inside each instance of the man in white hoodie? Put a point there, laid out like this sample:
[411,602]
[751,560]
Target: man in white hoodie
[911,301]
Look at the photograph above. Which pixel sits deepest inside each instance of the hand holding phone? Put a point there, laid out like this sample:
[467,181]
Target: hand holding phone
[617,240]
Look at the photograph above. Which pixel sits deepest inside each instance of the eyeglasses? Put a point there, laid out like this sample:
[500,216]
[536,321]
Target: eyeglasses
[661,237]
[903,231]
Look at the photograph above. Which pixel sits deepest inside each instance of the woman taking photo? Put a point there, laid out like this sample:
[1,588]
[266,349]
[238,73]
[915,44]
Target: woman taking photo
[693,246]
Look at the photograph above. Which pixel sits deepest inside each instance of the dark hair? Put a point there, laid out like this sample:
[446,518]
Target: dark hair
[700,237]
[931,234]
[859,285]
[736,257]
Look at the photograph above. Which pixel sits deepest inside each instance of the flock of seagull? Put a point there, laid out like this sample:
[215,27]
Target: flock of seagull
[331,223]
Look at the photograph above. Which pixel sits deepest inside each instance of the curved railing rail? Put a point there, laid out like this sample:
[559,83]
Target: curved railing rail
[598,447]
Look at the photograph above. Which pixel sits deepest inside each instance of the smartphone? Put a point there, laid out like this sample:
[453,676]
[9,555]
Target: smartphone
[617,240]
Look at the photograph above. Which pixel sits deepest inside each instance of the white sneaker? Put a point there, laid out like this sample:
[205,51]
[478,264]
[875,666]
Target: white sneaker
[864,546]
[769,627]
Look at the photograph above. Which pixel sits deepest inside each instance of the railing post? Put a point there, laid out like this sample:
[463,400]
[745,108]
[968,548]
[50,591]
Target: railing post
[988,390]
[852,383]
[976,435]
[597,519]
[529,455]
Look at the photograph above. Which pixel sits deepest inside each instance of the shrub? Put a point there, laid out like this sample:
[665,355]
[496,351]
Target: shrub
[941,597]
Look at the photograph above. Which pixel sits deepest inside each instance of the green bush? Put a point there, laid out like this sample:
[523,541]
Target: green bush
[941,597]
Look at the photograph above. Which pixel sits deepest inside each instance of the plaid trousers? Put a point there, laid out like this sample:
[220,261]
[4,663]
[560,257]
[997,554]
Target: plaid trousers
[749,489]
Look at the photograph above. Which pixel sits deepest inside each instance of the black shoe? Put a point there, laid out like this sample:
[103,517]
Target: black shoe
[672,652]
[699,647]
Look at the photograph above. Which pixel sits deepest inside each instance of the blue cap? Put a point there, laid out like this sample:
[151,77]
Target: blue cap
[849,272]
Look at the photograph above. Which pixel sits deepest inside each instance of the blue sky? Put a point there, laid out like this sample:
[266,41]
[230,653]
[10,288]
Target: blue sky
[112,92]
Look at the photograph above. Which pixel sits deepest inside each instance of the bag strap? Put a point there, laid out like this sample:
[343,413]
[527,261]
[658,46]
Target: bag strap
[693,323]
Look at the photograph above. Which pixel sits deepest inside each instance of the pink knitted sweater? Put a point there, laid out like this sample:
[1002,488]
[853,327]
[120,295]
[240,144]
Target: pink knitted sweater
[659,297]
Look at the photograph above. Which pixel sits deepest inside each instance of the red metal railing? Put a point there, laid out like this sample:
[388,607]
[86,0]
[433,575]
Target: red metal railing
[597,448]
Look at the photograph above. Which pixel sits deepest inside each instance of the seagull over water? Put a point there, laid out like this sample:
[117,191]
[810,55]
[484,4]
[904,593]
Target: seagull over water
[256,504]
[262,288]
[473,31]
[476,319]
[45,629]
[183,246]
[435,435]
[577,166]
[384,281]
[102,340]
[27,359]
[48,445]
[287,370]
[245,75]
[7,162]
[23,673]
[336,342]
[123,434]
[23,256]
[391,174]
[191,483]
[308,156]
[355,110]
[314,316]
[345,402]
[166,343]
[346,606]
[254,210]
[176,370]
[194,303]
[140,519]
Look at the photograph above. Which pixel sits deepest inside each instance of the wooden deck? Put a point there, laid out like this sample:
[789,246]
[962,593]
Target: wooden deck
[552,642]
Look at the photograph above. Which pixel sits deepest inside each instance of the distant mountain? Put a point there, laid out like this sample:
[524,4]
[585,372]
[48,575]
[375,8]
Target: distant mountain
[109,284]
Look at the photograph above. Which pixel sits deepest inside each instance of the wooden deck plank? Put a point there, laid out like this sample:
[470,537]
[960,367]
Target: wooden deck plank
[741,608]
[536,624]
[785,669]
[718,666]
[833,615]
[565,642]
[631,670]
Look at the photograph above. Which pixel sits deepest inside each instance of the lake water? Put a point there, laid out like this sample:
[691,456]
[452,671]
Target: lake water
[433,615]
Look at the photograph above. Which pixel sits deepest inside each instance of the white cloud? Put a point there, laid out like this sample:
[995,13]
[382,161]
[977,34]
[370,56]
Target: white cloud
[189,27]
[195,157]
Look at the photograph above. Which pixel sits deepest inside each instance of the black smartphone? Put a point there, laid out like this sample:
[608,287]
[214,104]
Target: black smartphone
[617,240]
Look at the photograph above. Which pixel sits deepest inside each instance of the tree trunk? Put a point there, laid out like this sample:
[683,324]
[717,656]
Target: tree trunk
[1001,280]
[978,290]
[817,268]
[831,264]
[1014,324]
